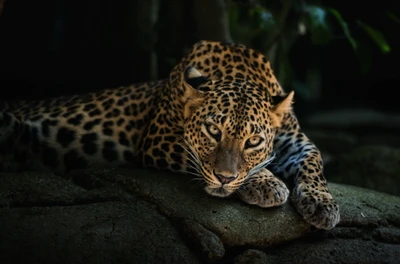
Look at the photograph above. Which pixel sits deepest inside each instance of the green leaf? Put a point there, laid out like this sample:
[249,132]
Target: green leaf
[319,29]
[377,37]
[264,19]
[317,15]
[344,26]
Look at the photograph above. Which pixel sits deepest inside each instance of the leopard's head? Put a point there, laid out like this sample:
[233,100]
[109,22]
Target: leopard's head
[229,129]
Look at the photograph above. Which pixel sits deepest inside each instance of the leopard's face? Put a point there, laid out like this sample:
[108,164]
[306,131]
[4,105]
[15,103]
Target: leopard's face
[229,136]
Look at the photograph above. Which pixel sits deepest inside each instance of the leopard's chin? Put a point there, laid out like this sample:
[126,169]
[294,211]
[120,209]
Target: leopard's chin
[218,192]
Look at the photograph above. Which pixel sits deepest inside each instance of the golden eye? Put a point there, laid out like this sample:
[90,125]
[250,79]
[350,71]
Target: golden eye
[253,142]
[214,131]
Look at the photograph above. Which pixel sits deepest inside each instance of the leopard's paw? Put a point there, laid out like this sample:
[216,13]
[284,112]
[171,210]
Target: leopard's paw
[264,191]
[317,208]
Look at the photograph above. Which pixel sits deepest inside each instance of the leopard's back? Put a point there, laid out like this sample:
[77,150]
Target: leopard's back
[72,132]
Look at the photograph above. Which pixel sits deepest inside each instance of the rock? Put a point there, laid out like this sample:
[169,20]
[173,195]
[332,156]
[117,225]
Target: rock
[374,167]
[235,222]
[209,244]
[380,139]
[110,232]
[148,216]
[253,256]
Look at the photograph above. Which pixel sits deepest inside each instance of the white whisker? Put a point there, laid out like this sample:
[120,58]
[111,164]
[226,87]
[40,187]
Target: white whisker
[190,151]
[262,165]
[192,173]
[198,182]
[239,191]
[193,162]
[194,167]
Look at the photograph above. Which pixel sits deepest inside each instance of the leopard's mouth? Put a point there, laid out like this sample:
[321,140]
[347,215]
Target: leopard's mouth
[214,187]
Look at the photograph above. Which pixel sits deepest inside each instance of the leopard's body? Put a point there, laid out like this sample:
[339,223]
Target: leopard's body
[220,115]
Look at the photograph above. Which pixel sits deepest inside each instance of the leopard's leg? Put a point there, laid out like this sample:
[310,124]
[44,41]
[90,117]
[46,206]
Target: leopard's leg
[264,189]
[299,158]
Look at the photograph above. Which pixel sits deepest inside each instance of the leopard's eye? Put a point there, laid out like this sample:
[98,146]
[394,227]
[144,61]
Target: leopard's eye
[253,142]
[214,131]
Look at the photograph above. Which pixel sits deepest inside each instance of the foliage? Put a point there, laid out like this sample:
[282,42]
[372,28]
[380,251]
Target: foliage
[274,26]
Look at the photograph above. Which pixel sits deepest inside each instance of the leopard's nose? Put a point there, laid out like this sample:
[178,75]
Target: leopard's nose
[224,179]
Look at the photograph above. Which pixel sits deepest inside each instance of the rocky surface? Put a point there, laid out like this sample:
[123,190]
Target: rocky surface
[360,147]
[147,216]
[371,166]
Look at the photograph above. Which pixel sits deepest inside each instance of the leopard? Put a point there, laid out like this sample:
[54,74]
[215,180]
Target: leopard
[221,116]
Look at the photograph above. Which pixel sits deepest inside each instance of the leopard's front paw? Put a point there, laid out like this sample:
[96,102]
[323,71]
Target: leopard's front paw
[318,208]
[264,190]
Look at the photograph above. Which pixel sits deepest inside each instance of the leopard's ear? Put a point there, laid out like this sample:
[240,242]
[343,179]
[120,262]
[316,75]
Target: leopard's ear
[194,78]
[192,97]
[281,105]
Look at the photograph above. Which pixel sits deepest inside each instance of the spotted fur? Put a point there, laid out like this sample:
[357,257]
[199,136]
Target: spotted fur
[221,115]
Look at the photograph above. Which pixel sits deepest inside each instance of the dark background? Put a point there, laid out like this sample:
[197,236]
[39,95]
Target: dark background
[49,48]
[59,47]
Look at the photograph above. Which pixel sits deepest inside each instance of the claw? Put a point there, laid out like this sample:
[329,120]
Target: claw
[321,213]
